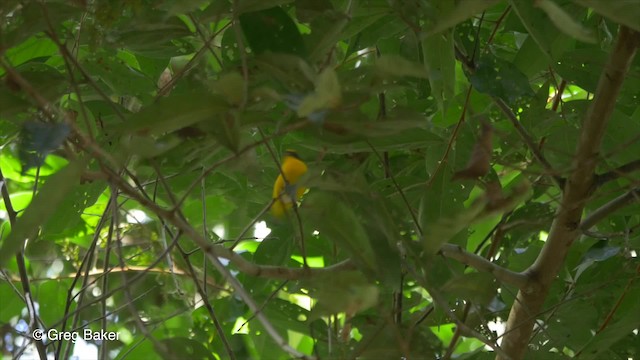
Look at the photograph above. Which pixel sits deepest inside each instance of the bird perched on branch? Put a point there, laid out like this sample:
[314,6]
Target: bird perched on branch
[286,192]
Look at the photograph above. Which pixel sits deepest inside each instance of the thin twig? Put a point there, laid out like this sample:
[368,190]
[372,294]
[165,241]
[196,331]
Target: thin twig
[115,223]
[207,42]
[189,65]
[454,135]
[528,140]
[558,98]
[207,304]
[497,25]
[86,264]
[34,323]
[399,189]
[266,301]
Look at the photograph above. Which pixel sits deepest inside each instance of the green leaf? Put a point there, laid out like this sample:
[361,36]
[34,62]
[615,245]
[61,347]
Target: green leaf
[621,130]
[173,113]
[462,11]
[32,20]
[218,208]
[395,65]
[530,59]
[32,48]
[440,63]
[52,295]
[362,19]
[231,87]
[501,79]
[185,348]
[444,229]
[42,208]
[153,36]
[350,293]
[552,42]
[272,30]
[337,222]
[598,252]
[11,105]
[480,288]
[11,303]
[328,29]
[287,316]
[75,202]
[627,319]
[147,147]
[45,79]
[442,199]
[276,249]
[623,12]
[121,78]
[565,22]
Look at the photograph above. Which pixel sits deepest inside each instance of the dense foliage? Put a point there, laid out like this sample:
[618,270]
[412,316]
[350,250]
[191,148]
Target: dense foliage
[460,154]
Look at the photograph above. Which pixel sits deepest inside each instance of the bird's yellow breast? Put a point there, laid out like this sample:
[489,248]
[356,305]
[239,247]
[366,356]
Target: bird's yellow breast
[285,193]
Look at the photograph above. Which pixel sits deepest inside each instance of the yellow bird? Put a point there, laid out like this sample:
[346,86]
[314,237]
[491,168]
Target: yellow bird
[285,190]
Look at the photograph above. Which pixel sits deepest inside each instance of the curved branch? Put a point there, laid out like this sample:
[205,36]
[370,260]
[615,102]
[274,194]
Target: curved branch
[520,280]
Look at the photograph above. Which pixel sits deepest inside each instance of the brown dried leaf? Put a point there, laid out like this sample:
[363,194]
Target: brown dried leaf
[480,160]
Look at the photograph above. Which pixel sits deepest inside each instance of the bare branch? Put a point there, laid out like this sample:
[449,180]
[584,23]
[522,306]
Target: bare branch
[609,208]
[618,172]
[480,263]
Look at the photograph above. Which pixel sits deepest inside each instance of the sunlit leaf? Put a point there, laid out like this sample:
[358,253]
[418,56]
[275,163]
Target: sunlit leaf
[42,207]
